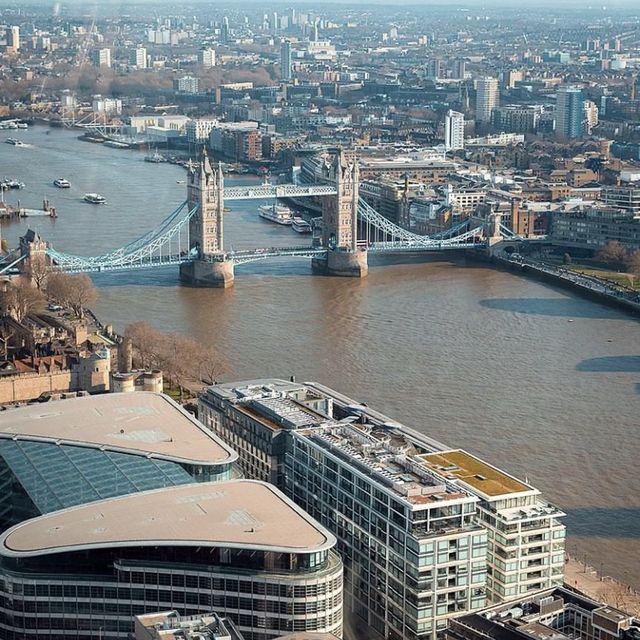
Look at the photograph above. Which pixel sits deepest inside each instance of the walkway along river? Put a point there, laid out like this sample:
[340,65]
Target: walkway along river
[534,378]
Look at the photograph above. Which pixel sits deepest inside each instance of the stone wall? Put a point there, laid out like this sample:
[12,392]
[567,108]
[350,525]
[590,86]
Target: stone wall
[28,386]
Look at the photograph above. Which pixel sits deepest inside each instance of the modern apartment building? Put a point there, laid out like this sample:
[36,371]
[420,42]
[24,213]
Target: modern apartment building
[623,196]
[123,504]
[286,67]
[139,58]
[570,113]
[207,57]
[517,118]
[454,131]
[425,532]
[101,57]
[487,99]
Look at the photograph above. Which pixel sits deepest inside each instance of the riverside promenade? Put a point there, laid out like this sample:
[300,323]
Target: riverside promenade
[601,588]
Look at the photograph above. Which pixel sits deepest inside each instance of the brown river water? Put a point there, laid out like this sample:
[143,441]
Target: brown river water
[533,378]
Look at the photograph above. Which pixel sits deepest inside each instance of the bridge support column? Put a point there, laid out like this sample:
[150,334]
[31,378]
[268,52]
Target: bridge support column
[201,273]
[345,256]
[349,264]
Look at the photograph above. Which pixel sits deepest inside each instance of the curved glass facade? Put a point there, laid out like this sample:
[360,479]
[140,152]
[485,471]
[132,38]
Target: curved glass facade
[46,476]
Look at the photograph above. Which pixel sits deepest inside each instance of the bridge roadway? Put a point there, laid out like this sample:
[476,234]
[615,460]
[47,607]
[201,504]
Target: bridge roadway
[265,191]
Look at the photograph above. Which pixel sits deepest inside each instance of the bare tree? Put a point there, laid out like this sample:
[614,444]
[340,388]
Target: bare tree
[6,333]
[75,291]
[211,365]
[38,269]
[633,263]
[612,252]
[146,342]
[21,298]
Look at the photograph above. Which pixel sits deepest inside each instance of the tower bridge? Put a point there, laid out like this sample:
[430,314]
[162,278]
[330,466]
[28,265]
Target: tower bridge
[192,236]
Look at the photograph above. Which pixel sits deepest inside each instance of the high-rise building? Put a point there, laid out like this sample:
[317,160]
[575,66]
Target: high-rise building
[426,532]
[569,113]
[487,99]
[13,39]
[459,69]
[590,116]
[139,58]
[454,131]
[286,65]
[517,118]
[123,504]
[207,57]
[434,69]
[101,57]
[187,84]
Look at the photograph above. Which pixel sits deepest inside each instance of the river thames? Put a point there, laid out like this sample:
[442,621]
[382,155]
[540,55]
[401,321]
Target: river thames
[535,379]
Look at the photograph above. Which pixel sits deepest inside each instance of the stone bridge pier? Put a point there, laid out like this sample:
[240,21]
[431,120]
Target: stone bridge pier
[340,222]
[205,190]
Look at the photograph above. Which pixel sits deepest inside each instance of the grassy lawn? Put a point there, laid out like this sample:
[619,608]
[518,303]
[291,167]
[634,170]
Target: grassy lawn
[617,278]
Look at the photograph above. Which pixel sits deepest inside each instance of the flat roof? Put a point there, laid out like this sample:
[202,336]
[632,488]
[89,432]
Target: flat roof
[143,423]
[475,473]
[244,514]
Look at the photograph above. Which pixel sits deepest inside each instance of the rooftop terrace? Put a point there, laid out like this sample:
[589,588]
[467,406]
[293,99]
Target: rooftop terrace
[480,476]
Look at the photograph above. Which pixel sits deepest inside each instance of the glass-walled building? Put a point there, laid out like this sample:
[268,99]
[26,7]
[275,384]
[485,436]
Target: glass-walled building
[240,548]
[60,454]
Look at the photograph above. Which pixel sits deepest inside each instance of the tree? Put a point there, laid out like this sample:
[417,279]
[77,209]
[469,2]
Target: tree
[146,342]
[211,365]
[566,259]
[6,333]
[75,291]
[38,269]
[633,263]
[612,252]
[20,298]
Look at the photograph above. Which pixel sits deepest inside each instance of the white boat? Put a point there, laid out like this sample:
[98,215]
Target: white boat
[15,143]
[300,225]
[9,183]
[61,183]
[94,198]
[156,158]
[276,213]
[22,125]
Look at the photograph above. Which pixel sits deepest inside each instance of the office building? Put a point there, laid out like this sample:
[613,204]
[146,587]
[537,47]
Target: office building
[139,58]
[454,131]
[487,99]
[426,532]
[558,614]
[101,57]
[198,130]
[123,504]
[569,113]
[286,65]
[207,57]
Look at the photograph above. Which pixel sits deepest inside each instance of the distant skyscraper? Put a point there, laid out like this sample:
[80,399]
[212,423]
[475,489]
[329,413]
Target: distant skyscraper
[285,60]
[591,116]
[207,57]
[14,39]
[102,57]
[459,69]
[434,68]
[454,131]
[487,99]
[569,113]
[139,58]
[224,30]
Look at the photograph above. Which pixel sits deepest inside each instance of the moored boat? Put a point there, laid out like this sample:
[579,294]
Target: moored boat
[300,225]
[61,183]
[276,213]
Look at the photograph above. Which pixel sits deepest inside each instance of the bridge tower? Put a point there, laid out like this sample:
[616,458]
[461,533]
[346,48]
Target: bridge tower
[492,232]
[340,221]
[205,190]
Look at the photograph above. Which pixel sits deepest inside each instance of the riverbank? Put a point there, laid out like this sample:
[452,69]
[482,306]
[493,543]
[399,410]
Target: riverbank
[587,286]
[590,582]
